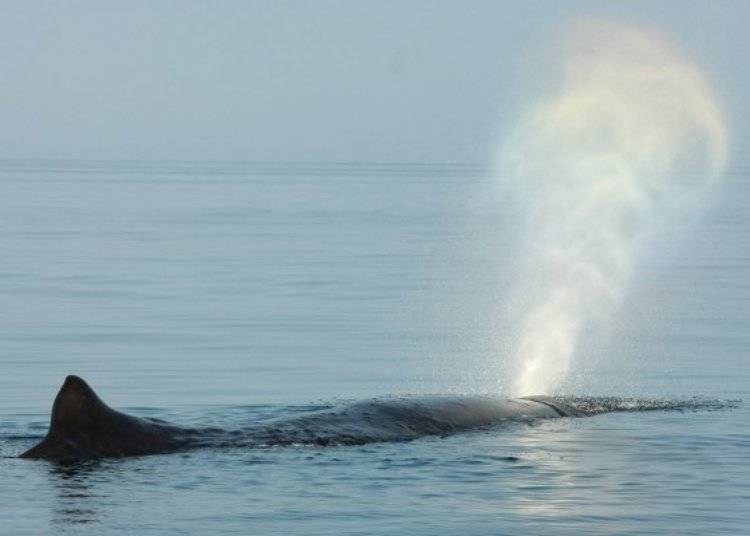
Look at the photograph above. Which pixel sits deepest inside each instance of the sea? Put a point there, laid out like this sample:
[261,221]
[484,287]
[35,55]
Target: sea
[223,293]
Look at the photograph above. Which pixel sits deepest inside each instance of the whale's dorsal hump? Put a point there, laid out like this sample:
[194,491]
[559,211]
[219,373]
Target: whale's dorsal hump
[76,406]
[83,427]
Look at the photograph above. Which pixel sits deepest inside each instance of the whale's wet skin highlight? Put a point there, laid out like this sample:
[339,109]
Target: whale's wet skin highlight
[271,293]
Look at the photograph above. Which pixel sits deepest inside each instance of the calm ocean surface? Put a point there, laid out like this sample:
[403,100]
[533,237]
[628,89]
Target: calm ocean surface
[221,293]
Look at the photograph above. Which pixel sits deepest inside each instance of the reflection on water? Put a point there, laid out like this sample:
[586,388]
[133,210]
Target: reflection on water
[74,492]
[547,475]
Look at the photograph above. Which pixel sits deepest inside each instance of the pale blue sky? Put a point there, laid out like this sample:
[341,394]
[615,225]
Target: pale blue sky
[312,80]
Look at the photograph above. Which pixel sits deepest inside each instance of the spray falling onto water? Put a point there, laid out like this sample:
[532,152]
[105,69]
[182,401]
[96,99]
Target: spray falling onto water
[632,138]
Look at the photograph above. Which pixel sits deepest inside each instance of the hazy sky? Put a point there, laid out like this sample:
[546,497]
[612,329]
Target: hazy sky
[307,80]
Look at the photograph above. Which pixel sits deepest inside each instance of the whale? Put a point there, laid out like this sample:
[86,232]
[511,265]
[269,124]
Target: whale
[82,426]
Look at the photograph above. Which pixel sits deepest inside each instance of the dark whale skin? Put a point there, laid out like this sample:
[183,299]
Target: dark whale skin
[83,427]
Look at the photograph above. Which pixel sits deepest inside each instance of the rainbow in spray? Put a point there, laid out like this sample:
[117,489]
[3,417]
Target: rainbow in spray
[630,138]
